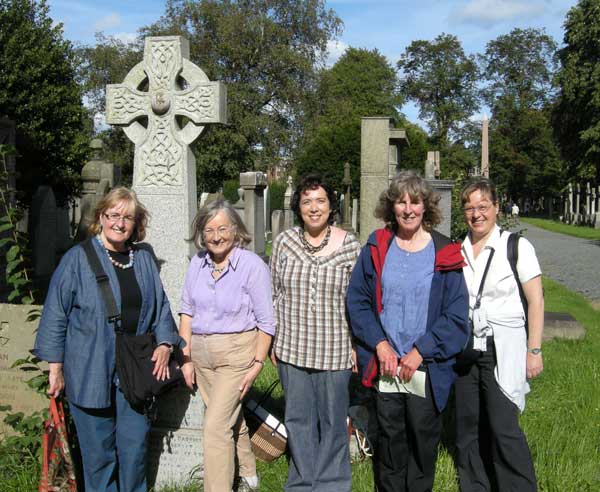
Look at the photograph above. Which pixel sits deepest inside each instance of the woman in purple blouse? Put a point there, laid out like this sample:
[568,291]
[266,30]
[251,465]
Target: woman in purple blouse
[227,321]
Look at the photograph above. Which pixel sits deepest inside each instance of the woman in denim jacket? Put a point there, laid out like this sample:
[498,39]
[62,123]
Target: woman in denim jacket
[78,342]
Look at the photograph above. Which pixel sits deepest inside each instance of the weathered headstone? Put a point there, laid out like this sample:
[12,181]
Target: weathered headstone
[432,164]
[288,214]
[42,231]
[578,204]
[380,155]
[571,212]
[164,177]
[347,211]
[254,184]
[355,214]
[443,188]
[277,223]
[588,197]
[17,334]
[164,172]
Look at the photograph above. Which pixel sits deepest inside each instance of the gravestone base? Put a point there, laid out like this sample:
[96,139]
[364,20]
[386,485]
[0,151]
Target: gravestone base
[562,325]
[175,454]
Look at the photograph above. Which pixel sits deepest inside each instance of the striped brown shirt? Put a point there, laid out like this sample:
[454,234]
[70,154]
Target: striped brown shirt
[309,298]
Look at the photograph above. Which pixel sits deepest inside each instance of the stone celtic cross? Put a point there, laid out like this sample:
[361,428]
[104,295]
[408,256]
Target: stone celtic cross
[156,95]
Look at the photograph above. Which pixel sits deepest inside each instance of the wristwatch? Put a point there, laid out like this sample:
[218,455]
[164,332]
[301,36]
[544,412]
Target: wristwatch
[535,351]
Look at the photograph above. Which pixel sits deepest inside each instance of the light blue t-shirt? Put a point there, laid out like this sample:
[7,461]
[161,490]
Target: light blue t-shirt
[406,283]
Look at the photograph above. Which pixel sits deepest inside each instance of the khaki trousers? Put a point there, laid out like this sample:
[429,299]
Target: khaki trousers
[221,362]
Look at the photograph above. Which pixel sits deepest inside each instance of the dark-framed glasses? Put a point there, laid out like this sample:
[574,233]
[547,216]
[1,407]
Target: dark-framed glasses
[480,209]
[114,217]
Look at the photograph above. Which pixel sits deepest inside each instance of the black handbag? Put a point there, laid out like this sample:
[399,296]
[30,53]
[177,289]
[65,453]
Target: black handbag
[133,353]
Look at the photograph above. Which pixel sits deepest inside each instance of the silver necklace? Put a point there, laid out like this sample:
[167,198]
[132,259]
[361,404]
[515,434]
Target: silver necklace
[314,249]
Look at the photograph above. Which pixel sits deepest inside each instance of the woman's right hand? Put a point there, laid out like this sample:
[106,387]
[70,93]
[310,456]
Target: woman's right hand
[189,374]
[56,380]
[388,360]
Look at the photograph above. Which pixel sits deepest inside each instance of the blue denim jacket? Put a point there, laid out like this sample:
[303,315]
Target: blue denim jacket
[74,329]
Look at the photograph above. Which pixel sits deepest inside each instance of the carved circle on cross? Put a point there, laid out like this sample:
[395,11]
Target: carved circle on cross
[191,74]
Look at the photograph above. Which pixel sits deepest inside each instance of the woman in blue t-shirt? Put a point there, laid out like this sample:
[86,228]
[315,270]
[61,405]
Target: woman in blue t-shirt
[408,308]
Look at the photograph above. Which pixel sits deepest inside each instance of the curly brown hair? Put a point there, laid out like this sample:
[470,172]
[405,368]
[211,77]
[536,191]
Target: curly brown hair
[417,188]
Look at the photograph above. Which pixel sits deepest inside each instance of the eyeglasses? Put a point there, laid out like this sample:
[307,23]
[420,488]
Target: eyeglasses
[223,231]
[481,209]
[128,219]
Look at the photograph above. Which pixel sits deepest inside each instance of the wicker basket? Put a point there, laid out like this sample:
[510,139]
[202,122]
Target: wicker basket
[268,435]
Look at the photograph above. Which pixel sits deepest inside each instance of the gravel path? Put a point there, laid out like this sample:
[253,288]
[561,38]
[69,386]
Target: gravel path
[572,261]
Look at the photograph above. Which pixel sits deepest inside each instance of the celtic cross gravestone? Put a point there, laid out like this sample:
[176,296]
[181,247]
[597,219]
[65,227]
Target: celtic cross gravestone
[162,106]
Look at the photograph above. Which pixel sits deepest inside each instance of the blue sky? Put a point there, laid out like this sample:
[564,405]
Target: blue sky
[388,25]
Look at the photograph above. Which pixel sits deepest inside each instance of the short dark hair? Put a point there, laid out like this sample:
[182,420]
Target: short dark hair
[312,182]
[484,185]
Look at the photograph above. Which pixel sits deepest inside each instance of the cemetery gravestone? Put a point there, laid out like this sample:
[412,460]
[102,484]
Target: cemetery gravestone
[164,177]
[380,152]
[164,172]
[288,214]
[254,184]
[17,335]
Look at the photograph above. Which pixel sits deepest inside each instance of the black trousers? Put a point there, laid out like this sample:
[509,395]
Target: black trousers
[410,428]
[491,449]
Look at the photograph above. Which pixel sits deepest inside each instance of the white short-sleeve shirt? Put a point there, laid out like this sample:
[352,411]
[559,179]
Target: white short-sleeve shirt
[500,300]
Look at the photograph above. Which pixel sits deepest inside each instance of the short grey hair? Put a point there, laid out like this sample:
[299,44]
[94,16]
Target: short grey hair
[209,212]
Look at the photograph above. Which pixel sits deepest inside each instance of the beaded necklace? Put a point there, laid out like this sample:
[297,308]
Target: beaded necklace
[314,249]
[116,263]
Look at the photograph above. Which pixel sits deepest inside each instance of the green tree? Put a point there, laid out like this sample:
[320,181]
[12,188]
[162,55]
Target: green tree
[519,65]
[441,79]
[39,91]
[266,52]
[361,83]
[518,71]
[577,114]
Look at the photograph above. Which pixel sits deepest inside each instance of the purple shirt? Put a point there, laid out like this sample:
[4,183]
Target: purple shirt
[239,300]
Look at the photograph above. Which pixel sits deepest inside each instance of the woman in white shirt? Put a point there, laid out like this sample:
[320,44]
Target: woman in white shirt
[492,451]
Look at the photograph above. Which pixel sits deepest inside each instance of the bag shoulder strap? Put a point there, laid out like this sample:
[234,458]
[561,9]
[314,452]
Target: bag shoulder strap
[485,272]
[112,311]
[512,253]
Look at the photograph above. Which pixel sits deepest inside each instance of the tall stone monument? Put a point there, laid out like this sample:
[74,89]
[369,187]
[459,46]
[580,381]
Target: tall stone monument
[380,155]
[485,160]
[164,172]
[163,105]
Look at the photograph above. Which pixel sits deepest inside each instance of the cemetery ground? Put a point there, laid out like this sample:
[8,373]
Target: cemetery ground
[562,419]
[562,228]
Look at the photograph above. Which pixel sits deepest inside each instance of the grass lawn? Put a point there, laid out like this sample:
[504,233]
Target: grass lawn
[562,419]
[570,230]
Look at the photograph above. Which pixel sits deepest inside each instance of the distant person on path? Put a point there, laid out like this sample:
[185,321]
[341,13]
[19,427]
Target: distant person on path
[408,308]
[78,342]
[226,318]
[515,211]
[310,269]
[492,385]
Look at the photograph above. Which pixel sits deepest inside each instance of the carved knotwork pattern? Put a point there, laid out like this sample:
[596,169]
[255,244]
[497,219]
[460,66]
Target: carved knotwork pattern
[201,102]
[125,104]
[163,64]
[161,157]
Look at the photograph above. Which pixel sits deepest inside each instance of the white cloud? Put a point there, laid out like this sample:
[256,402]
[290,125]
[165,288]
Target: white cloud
[335,49]
[486,13]
[107,22]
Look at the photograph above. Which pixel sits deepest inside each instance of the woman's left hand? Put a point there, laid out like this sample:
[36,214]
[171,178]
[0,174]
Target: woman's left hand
[535,365]
[409,364]
[160,357]
[249,378]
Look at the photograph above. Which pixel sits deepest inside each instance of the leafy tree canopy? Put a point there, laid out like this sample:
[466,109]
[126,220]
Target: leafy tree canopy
[39,91]
[577,115]
[441,79]
[361,83]
[520,66]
